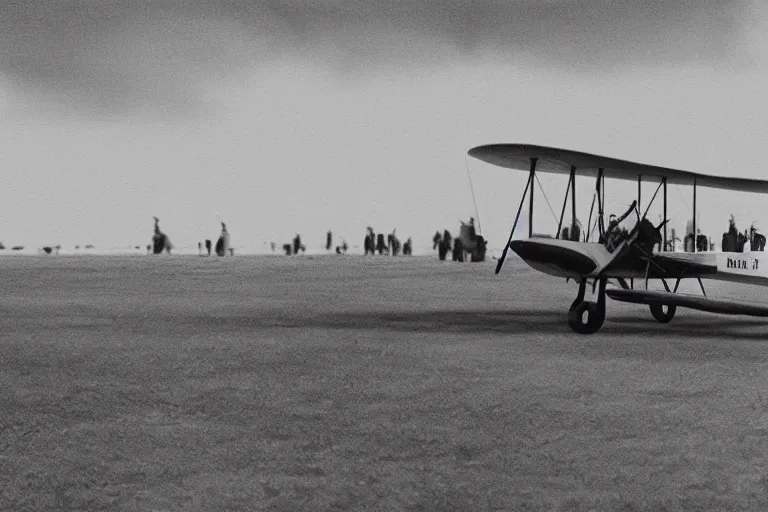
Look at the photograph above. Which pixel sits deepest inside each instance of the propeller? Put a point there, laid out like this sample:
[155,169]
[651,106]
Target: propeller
[648,256]
[636,233]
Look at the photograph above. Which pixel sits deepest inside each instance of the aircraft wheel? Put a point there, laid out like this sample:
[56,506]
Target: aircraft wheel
[657,310]
[594,317]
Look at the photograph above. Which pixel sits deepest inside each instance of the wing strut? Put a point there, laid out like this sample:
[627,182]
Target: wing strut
[589,220]
[702,286]
[573,201]
[652,199]
[602,206]
[664,181]
[694,214]
[530,202]
[565,202]
[600,202]
[517,217]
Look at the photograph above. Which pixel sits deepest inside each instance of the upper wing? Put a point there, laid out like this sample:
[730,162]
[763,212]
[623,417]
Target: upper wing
[560,161]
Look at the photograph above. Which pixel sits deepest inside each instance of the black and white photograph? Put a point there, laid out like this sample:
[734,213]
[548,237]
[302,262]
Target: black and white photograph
[433,255]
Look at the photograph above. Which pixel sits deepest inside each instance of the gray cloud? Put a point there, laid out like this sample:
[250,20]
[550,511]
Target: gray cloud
[114,56]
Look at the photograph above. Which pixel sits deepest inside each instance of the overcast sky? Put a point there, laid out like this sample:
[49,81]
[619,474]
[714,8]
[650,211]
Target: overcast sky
[292,116]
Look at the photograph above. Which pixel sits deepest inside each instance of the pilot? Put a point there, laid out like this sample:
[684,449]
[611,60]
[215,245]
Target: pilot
[612,224]
[614,235]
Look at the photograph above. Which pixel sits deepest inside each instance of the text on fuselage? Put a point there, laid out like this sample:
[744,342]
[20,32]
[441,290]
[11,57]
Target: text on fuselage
[742,264]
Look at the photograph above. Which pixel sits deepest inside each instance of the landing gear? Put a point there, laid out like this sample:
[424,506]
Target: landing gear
[662,312]
[593,311]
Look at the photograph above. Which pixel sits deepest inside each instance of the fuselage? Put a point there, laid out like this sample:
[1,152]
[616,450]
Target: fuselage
[579,260]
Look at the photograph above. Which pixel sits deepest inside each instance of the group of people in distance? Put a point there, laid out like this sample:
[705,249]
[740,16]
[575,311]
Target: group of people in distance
[467,245]
[375,243]
[735,241]
[340,249]
[222,244]
[161,242]
[293,248]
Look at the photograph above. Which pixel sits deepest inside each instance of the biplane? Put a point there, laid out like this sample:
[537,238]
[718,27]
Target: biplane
[636,254]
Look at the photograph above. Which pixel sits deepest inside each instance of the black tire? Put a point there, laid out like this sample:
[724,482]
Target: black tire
[595,317]
[657,310]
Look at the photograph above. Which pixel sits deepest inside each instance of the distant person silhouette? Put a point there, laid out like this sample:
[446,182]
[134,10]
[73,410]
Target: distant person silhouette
[380,245]
[436,240]
[296,244]
[370,241]
[160,240]
[407,247]
[222,245]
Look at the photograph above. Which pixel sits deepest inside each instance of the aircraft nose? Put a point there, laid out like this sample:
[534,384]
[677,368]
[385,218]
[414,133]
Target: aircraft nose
[565,258]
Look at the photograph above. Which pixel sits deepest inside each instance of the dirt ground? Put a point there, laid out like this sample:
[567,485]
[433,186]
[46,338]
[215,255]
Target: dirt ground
[339,382]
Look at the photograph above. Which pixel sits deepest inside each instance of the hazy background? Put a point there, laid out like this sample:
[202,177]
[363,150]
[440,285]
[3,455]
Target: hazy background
[285,117]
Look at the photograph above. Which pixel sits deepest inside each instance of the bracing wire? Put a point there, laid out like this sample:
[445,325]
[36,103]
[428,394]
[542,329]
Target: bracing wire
[589,220]
[594,228]
[545,197]
[652,199]
[472,189]
[680,195]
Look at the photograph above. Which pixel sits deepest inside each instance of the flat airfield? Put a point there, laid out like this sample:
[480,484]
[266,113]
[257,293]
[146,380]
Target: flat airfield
[346,382]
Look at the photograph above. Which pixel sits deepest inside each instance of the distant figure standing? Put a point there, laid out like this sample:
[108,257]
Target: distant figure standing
[445,245]
[296,243]
[160,240]
[209,246]
[393,243]
[436,240]
[458,250]
[380,245]
[370,241]
[328,240]
[702,244]
[199,248]
[222,246]
[757,241]
[407,247]
[157,238]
